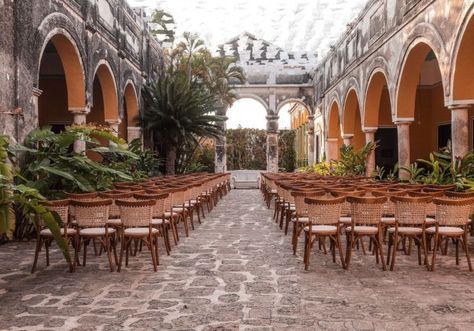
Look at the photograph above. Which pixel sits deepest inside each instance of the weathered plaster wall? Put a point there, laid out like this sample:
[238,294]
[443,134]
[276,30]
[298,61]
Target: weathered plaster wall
[102,31]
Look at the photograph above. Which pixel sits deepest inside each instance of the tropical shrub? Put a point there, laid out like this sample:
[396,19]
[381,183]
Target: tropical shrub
[351,162]
[50,165]
[24,200]
[286,150]
[442,169]
[246,149]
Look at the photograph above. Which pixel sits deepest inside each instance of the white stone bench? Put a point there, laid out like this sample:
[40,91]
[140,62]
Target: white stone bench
[245,179]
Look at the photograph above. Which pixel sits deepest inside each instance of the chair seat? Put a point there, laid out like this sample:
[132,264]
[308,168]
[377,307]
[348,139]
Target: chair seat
[387,220]
[159,221]
[430,221]
[407,230]
[345,219]
[274,191]
[139,232]
[362,229]
[179,208]
[322,229]
[446,230]
[168,214]
[47,232]
[95,232]
[116,222]
[300,220]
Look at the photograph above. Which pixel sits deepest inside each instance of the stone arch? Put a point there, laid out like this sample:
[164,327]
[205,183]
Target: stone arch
[462,66]
[408,77]
[68,49]
[423,34]
[293,100]
[373,95]
[334,137]
[254,97]
[420,101]
[351,120]
[129,126]
[104,75]
[352,84]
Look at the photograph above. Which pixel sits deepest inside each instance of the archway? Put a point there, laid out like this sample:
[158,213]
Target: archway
[463,90]
[334,137]
[129,128]
[352,124]
[61,80]
[246,137]
[105,101]
[300,124]
[420,101]
[378,121]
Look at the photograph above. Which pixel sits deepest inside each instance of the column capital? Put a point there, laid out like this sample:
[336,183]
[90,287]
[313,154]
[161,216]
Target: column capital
[272,117]
[113,121]
[348,136]
[37,92]
[404,121]
[369,129]
[459,106]
[80,110]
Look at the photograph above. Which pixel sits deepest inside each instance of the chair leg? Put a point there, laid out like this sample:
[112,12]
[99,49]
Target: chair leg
[164,230]
[39,244]
[47,243]
[77,247]
[307,250]
[466,250]
[157,259]
[339,247]
[456,243]
[151,245]
[86,243]
[109,253]
[425,249]
[378,241]
[435,249]
[394,253]
[350,243]
[123,244]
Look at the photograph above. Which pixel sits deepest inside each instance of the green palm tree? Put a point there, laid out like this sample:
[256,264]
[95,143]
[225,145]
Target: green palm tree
[177,110]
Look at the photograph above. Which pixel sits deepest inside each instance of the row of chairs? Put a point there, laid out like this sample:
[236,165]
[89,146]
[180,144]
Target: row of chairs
[132,214]
[398,214]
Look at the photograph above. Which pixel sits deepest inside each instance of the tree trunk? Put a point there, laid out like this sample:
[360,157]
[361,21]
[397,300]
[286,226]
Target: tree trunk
[171,160]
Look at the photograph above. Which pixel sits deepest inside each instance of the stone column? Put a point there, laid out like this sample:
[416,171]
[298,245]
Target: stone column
[348,139]
[310,134]
[114,126]
[35,100]
[331,149]
[79,118]
[133,132]
[272,143]
[370,137]
[220,161]
[403,130]
[460,130]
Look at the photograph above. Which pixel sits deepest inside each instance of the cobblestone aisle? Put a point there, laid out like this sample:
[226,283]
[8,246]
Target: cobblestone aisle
[235,271]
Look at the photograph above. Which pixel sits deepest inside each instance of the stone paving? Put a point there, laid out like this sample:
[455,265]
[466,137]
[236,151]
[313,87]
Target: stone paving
[236,271]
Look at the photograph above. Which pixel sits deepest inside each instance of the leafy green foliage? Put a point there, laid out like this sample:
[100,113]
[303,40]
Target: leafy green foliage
[351,162]
[286,150]
[187,101]
[441,169]
[246,149]
[26,199]
[50,165]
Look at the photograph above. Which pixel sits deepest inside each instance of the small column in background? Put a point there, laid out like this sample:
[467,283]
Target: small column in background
[370,137]
[403,130]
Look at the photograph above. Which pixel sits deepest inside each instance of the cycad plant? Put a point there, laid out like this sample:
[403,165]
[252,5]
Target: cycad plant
[175,111]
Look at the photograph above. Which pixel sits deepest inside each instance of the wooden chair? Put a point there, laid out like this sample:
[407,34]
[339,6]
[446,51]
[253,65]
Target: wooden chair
[323,214]
[45,236]
[301,214]
[452,217]
[137,221]
[159,220]
[91,221]
[366,213]
[410,220]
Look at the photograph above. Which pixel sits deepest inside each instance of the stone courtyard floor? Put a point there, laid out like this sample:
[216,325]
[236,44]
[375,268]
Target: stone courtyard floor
[236,271]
